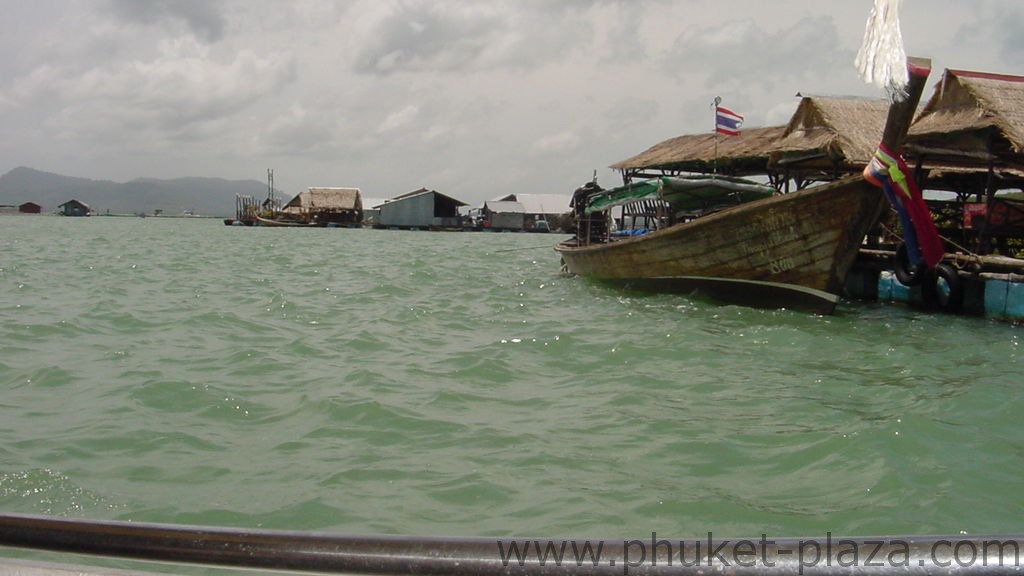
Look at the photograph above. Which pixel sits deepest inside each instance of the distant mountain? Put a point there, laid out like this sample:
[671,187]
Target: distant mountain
[204,196]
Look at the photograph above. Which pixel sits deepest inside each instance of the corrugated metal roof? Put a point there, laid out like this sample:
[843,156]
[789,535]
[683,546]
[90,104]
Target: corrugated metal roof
[422,191]
[504,207]
[541,203]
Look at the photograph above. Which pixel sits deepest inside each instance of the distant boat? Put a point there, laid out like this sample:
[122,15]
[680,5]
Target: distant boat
[261,221]
[787,250]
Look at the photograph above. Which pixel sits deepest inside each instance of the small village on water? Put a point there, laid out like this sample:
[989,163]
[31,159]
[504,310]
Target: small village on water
[772,421]
[965,148]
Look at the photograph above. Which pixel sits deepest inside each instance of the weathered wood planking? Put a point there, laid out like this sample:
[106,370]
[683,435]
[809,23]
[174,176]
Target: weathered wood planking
[808,238]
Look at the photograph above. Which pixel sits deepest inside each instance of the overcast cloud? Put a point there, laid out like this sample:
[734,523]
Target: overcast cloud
[475,99]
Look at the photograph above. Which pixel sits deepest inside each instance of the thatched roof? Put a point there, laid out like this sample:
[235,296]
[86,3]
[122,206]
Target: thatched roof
[832,132]
[739,155]
[326,200]
[504,207]
[972,116]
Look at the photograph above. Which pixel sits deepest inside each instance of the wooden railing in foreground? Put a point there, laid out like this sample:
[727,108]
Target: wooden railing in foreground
[321,552]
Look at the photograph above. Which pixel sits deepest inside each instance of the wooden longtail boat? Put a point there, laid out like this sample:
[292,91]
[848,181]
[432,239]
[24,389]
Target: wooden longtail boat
[789,250]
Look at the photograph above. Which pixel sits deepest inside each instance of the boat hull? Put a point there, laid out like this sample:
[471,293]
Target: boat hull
[735,291]
[808,238]
[260,221]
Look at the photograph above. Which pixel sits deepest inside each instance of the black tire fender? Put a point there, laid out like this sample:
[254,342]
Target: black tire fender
[907,273]
[949,298]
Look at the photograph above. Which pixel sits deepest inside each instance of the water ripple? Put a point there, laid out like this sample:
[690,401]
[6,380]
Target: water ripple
[400,382]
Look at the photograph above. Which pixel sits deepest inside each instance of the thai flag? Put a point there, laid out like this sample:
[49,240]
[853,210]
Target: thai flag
[727,121]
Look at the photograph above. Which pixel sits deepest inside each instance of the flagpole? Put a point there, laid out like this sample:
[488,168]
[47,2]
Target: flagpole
[714,130]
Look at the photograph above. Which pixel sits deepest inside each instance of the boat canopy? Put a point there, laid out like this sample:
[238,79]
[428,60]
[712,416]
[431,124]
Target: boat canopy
[682,193]
[622,195]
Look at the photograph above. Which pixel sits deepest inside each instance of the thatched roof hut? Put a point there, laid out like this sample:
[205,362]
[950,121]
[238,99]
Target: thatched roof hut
[972,118]
[326,200]
[830,135]
[826,137]
[741,155]
[970,134]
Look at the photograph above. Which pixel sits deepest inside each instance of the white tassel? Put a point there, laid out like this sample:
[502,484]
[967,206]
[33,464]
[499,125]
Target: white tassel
[881,59]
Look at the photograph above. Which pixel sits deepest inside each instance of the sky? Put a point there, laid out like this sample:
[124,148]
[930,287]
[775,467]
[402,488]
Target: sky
[474,98]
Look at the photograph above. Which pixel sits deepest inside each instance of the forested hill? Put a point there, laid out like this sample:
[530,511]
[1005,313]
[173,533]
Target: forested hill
[203,196]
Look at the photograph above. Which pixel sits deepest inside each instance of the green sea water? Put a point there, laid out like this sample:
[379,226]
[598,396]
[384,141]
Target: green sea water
[361,381]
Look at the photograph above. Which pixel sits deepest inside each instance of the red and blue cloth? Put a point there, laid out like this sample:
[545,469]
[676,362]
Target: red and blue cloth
[888,171]
[727,121]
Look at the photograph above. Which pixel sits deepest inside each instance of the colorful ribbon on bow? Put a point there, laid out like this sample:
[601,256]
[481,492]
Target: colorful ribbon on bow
[889,172]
